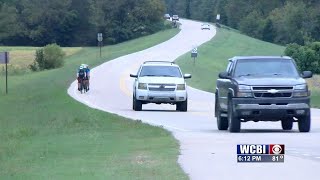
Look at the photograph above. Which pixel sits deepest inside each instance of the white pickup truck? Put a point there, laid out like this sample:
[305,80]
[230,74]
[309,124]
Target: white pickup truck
[160,82]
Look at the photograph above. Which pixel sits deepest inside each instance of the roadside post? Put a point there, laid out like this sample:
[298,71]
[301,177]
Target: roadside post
[218,20]
[194,54]
[100,38]
[4,59]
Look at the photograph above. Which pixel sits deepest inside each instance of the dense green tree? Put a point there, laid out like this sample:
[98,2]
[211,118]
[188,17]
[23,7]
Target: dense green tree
[307,57]
[253,24]
[268,33]
[233,12]
[202,10]
[47,22]
[291,22]
[84,31]
[280,21]
[8,18]
[76,22]
[125,19]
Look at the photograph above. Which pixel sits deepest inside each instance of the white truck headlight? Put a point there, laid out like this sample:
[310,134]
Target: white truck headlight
[181,87]
[301,87]
[142,86]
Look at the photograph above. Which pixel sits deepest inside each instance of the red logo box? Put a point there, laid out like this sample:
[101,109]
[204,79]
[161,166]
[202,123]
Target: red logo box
[276,149]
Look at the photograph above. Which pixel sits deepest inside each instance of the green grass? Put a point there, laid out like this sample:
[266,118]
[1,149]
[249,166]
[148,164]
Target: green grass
[213,56]
[45,134]
[314,85]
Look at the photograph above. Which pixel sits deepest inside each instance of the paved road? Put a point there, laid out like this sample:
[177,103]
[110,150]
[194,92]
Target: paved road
[206,153]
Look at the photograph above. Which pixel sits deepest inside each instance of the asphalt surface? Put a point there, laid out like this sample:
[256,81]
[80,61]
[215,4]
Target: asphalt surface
[206,153]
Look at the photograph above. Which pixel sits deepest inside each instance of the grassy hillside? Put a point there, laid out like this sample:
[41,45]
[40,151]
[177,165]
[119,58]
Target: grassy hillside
[213,58]
[45,134]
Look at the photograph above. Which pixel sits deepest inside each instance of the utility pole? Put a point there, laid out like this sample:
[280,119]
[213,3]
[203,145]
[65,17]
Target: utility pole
[7,56]
[4,59]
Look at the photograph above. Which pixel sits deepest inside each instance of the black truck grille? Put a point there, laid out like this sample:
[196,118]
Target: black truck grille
[266,88]
[272,91]
[272,95]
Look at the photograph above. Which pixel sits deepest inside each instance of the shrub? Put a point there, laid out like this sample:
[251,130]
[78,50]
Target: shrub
[49,57]
[34,66]
[307,57]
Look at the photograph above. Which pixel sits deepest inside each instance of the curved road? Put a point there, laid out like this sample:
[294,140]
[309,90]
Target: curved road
[206,153]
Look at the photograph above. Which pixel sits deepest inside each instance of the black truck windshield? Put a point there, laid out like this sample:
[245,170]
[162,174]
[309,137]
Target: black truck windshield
[162,71]
[263,67]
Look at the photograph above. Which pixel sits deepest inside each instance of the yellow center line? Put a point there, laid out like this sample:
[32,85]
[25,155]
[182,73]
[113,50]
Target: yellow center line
[123,85]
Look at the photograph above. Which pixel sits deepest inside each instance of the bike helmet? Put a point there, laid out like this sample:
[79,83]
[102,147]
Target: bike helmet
[84,65]
[81,67]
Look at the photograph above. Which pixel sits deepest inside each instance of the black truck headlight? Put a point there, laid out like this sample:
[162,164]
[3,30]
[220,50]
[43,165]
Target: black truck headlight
[244,94]
[301,94]
[301,90]
[244,91]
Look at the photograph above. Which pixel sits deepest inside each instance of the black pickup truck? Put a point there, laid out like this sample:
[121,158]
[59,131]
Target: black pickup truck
[262,88]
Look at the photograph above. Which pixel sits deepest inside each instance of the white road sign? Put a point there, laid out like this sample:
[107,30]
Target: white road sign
[218,16]
[100,38]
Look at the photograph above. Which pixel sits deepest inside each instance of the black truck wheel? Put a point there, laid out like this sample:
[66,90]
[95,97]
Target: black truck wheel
[182,106]
[234,120]
[137,105]
[222,122]
[304,123]
[287,123]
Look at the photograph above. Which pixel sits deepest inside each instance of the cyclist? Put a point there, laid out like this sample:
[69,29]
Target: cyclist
[87,77]
[81,76]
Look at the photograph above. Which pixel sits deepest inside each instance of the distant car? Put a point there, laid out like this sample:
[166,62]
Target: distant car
[160,82]
[205,26]
[167,16]
[175,18]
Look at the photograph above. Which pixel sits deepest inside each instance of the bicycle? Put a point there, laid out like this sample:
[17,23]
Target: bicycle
[83,86]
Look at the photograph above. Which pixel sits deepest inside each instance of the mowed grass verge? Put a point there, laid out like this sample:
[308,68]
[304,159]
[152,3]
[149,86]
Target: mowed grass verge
[213,58]
[45,134]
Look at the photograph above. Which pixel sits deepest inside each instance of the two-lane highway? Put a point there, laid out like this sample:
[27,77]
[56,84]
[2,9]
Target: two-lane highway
[206,153]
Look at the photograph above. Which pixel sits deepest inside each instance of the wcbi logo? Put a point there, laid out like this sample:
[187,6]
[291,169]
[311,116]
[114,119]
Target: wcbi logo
[260,149]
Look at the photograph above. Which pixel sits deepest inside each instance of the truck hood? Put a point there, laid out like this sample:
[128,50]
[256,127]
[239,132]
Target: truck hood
[161,80]
[270,81]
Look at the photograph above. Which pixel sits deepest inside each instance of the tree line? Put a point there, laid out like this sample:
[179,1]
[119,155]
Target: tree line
[77,22]
[277,21]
